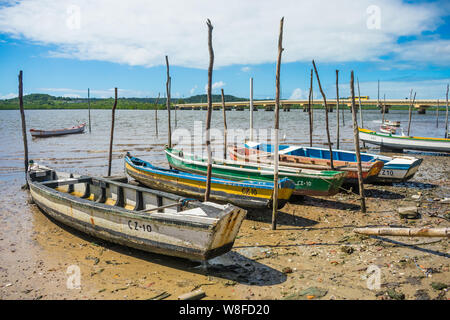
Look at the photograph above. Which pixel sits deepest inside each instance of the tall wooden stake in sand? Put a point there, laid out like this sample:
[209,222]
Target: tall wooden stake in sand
[112,131]
[24,126]
[208,115]
[224,127]
[277,126]
[337,109]
[357,151]
[169,130]
[326,116]
[310,109]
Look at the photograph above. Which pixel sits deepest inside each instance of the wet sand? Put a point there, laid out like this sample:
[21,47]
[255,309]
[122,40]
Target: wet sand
[314,246]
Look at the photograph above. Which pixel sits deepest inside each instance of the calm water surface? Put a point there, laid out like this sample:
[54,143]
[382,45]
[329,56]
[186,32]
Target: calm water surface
[135,132]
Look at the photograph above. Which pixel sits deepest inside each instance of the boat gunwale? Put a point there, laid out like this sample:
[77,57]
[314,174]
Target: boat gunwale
[121,211]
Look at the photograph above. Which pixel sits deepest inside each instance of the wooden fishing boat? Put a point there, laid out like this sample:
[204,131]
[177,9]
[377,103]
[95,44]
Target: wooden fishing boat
[384,128]
[397,142]
[307,182]
[370,169]
[395,169]
[59,132]
[392,123]
[246,194]
[134,216]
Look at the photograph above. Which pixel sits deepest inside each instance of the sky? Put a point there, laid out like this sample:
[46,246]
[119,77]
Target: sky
[67,46]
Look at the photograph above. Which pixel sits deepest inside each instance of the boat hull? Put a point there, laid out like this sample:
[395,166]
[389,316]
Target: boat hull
[312,183]
[52,133]
[402,142]
[395,169]
[190,237]
[369,170]
[247,195]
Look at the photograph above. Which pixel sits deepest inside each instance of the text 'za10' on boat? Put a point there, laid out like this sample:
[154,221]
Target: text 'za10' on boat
[58,132]
[398,142]
[307,182]
[297,157]
[395,169]
[246,194]
[137,217]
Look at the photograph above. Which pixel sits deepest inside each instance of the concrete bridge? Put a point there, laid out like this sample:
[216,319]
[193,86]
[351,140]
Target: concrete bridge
[269,105]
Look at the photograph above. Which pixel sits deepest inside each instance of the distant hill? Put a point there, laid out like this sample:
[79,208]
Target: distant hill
[46,101]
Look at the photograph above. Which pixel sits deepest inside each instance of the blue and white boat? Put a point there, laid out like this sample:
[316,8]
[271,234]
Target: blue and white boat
[395,169]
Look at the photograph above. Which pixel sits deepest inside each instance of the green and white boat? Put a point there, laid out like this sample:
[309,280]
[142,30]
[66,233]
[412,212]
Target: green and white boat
[307,182]
[400,142]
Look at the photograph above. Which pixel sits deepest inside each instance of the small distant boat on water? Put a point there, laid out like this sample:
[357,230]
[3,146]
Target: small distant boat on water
[58,132]
[387,129]
[400,142]
[288,159]
[395,169]
[392,123]
[307,182]
[244,193]
[134,216]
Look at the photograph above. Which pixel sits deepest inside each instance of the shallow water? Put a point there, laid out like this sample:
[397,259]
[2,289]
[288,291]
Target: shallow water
[135,132]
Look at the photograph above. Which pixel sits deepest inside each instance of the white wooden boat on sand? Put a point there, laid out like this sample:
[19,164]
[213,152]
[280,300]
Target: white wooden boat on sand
[398,142]
[58,132]
[134,216]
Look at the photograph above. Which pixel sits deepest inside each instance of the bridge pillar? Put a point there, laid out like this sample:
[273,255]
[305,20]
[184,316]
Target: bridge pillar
[421,108]
[385,107]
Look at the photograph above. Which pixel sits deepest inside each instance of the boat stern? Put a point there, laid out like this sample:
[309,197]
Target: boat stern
[225,230]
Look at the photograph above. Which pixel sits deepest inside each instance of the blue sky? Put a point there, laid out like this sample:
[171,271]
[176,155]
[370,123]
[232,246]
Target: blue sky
[71,45]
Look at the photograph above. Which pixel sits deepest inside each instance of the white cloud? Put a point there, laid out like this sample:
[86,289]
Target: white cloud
[215,85]
[100,93]
[245,69]
[71,95]
[297,94]
[136,32]
[193,90]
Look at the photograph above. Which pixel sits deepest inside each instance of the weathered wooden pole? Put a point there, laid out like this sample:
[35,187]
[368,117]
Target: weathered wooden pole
[310,110]
[277,126]
[156,114]
[224,127]
[337,109]
[208,114]
[326,116]
[112,131]
[24,127]
[357,150]
[410,111]
[251,109]
[89,108]
[437,114]
[169,130]
[446,114]
[405,232]
[383,111]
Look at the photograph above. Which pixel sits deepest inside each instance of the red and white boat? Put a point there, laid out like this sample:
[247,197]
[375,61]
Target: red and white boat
[58,132]
[387,129]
